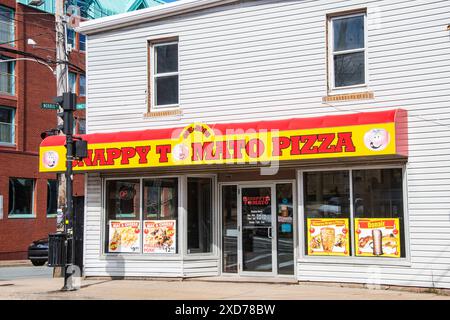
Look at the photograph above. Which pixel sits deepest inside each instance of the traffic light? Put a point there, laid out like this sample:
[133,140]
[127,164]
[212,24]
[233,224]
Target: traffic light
[68,102]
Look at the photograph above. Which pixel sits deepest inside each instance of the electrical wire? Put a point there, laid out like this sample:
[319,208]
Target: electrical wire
[36,35]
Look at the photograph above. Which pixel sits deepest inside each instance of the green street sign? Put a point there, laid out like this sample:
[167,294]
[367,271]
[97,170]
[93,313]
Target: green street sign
[81,106]
[49,106]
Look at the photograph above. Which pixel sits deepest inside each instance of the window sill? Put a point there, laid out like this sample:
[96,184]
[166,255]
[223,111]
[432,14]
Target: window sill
[348,96]
[21,216]
[163,113]
[7,145]
[9,96]
[51,216]
[141,257]
[387,262]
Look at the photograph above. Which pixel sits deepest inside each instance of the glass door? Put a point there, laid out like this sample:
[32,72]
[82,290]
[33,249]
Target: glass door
[258,235]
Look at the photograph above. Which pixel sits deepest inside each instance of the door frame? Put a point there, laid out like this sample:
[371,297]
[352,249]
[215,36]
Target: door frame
[273,227]
[253,183]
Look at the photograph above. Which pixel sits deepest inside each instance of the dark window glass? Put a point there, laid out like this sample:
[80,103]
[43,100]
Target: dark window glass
[7,77]
[349,69]
[82,38]
[122,204]
[229,229]
[71,37]
[6,26]
[52,197]
[348,33]
[326,196]
[82,85]
[285,223]
[166,58]
[378,193]
[166,90]
[21,196]
[6,125]
[160,209]
[199,215]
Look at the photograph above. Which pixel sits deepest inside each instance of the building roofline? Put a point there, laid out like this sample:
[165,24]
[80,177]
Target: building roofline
[145,15]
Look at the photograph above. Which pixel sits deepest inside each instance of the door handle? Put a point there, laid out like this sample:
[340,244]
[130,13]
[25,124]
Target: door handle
[269,232]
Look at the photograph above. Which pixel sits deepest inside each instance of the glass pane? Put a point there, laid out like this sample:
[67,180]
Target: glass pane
[71,37]
[199,215]
[166,58]
[257,229]
[378,193]
[6,115]
[349,69]
[72,82]
[229,229]
[82,85]
[82,42]
[285,222]
[160,209]
[327,211]
[6,133]
[122,216]
[166,90]
[52,197]
[20,196]
[6,26]
[348,33]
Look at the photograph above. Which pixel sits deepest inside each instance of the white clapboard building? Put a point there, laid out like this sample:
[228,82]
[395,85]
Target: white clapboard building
[298,140]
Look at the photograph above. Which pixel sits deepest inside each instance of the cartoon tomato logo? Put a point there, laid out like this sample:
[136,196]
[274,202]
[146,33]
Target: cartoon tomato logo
[376,139]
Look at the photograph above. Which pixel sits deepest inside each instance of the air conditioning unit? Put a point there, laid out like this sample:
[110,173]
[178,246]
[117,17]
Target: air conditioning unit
[36,3]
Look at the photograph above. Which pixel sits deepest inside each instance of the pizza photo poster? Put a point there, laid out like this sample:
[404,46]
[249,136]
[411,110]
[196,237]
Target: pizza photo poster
[328,237]
[377,237]
[160,236]
[124,236]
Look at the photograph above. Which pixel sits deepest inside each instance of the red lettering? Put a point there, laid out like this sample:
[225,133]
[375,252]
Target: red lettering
[197,151]
[308,147]
[99,158]
[209,152]
[279,144]
[127,153]
[113,154]
[255,148]
[325,146]
[295,150]
[143,152]
[345,140]
[163,151]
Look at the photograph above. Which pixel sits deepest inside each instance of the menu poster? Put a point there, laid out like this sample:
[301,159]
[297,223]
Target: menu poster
[328,237]
[160,236]
[377,237]
[124,236]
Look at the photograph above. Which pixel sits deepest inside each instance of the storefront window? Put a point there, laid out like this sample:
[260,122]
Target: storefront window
[199,215]
[230,230]
[160,209]
[21,197]
[378,212]
[375,224]
[52,197]
[123,221]
[327,213]
[285,222]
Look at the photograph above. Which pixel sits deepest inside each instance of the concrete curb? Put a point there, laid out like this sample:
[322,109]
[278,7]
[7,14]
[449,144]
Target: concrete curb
[15,263]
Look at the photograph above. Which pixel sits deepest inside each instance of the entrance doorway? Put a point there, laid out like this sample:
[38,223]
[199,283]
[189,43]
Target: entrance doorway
[258,229]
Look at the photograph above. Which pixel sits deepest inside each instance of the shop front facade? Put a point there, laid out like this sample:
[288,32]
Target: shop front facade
[280,139]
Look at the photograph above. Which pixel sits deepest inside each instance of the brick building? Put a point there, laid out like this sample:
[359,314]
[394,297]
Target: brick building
[29,199]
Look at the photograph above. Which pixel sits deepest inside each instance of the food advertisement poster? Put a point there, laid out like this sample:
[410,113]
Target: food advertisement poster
[328,237]
[124,236]
[377,237]
[160,236]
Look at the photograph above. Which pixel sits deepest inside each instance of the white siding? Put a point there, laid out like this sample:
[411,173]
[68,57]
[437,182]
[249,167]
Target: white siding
[267,60]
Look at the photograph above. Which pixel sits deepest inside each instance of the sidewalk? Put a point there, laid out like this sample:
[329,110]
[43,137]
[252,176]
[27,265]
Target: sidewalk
[37,289]
[15,263]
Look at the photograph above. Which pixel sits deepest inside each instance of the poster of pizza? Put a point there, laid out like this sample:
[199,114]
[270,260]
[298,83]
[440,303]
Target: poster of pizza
[124,236]
[160,236]
[328,237]
[377,237]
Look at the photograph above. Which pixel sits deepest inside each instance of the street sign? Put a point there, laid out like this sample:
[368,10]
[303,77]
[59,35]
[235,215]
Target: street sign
[81,106]
[49,106]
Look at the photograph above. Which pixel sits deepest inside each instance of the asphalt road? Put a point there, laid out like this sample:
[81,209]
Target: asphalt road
[14,273]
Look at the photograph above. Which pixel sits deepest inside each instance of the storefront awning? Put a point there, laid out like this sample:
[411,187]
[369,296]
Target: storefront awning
[352,135]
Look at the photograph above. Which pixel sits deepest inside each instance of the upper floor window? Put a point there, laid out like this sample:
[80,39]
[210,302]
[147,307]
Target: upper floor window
[72,82]
[348,51]
[82,42]
[82,87]
[71,37]
[6,125]
[6,26]
[7,79]
[164,75]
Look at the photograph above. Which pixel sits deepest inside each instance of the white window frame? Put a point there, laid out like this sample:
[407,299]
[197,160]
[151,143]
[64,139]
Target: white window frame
[356,260]
[154,76]
[332,53]
[33,202]
[13,128]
